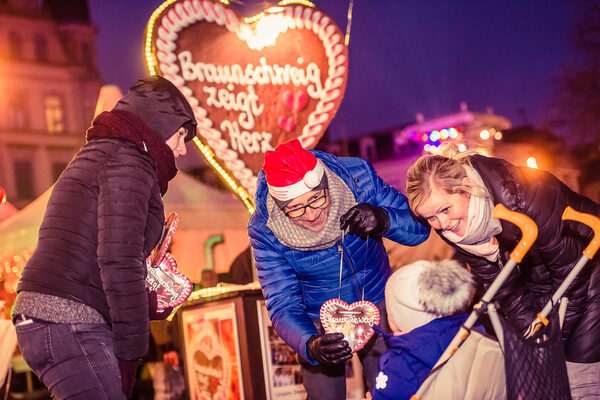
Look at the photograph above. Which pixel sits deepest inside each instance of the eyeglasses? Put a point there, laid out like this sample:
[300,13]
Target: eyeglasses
[314,204]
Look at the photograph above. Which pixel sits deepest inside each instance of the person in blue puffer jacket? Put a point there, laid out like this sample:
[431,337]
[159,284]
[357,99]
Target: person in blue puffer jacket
[426,303]
[305,203]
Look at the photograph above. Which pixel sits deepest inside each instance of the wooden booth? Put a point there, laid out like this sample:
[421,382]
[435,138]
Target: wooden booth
[231,351]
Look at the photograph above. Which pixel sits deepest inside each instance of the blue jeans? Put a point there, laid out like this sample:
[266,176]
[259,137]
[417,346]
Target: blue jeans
[75,361]
[584,380]
[329,383]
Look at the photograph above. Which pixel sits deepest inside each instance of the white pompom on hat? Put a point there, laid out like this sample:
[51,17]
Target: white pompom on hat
[422,291]
[291,171]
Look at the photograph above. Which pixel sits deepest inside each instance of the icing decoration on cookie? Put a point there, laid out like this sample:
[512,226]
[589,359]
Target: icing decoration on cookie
[171,286]
[355,321]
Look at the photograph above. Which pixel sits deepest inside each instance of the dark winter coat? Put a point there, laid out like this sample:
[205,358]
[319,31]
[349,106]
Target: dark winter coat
[559,245]
[296,283]
[410,357]
[105,213]
[104,217]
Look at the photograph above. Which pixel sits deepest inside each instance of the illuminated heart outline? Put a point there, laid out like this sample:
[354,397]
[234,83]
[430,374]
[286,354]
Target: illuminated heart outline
[179,15]
[165,278]
[372,318]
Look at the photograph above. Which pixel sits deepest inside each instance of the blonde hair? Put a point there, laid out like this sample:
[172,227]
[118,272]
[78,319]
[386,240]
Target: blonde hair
[444,171]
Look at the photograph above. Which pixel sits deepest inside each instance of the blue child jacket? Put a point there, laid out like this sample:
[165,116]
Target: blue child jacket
[410,357]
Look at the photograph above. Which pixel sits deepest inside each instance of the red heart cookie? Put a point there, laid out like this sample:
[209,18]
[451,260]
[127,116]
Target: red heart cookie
[171,286]
[242,75]
[355,321]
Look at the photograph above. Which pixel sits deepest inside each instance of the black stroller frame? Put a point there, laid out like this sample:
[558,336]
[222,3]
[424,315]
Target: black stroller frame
[428,390]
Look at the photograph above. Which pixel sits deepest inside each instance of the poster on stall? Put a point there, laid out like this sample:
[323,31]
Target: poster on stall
[212,356]
[282,371]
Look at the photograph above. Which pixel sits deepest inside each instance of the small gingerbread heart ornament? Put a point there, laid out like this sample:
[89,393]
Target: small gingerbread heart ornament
[354,320]
[171,286]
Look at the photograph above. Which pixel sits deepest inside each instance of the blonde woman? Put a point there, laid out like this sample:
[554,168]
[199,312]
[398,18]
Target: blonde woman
[456,193]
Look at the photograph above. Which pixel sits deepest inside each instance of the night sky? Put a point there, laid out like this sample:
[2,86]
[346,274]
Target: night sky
[406,57]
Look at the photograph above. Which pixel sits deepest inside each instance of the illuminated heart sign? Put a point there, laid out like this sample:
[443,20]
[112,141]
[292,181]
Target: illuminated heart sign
[253,83]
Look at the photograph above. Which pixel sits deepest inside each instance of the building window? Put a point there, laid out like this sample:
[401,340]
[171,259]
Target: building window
[41,48]
[57,169]
[24,179]
[54,114]
[16,113]
[15,46]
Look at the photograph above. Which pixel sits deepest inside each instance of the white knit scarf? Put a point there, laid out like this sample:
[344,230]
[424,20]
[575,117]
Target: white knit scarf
[299,238]
[479,238]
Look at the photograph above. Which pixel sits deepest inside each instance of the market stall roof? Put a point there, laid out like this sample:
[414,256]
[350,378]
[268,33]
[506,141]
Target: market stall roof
[199,206]
[7,210]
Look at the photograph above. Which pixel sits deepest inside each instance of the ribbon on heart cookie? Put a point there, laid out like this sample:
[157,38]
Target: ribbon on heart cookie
[253,83]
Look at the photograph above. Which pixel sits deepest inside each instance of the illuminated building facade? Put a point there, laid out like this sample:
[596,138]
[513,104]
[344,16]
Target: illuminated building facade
[393,151]
[49,84]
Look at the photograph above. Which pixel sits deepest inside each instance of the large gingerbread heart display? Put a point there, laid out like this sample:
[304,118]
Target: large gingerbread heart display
[253,83]
[355,321]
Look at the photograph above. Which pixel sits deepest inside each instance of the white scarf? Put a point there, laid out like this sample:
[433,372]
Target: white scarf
[299,238]
[479,238]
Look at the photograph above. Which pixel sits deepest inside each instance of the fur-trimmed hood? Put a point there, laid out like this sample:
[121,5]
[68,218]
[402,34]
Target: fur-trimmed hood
[425,290]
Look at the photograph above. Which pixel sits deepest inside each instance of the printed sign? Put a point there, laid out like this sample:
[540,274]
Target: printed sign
[212,359]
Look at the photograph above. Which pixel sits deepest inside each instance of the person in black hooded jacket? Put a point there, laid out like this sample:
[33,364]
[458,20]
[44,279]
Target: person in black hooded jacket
[82,312]
[456,194]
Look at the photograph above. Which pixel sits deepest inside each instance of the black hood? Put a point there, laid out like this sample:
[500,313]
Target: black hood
[160,105]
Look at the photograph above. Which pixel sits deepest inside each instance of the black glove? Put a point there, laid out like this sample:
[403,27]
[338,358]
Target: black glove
[329,349]
[153,311]
[128,371]
[365,220]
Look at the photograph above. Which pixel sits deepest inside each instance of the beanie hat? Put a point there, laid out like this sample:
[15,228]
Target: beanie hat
[291,171]
[425,290]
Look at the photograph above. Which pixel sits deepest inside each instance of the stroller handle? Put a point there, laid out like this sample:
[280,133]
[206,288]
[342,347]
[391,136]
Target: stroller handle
[590,220]
[527,226]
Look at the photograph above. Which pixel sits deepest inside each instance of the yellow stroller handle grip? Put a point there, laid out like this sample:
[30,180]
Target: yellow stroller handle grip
[527,226]
[590,220]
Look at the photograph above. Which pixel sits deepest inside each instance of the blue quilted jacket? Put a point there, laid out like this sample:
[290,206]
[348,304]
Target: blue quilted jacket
[296,283]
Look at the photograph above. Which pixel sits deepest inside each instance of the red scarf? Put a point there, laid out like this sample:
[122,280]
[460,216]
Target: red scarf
[124,125]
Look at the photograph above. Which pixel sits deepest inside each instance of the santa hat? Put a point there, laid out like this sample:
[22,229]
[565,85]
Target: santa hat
[425,290]
[291,171]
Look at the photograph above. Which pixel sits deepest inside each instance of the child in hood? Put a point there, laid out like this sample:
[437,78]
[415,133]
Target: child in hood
[426,303]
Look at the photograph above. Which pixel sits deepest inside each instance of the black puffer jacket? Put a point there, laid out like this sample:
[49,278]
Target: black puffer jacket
[560,244]
[105,213]
[104,217]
